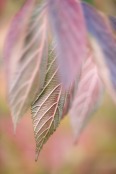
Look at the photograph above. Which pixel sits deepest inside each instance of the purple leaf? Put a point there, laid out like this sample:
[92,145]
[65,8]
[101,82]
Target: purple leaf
[113,22]
[69,31]
[87,96]
[103,44]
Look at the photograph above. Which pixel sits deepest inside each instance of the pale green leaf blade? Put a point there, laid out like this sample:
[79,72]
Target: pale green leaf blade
[47,109]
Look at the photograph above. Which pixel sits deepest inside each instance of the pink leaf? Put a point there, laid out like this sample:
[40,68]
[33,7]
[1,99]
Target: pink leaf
[27,62]
[87,96]
[15,38]
[69,30]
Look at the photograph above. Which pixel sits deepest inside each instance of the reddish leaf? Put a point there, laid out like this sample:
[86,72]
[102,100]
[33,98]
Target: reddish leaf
[87,96]
[69,30]
[15,38]
[28,65]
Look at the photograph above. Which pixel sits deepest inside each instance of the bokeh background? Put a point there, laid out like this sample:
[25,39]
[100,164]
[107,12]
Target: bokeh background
[95,152]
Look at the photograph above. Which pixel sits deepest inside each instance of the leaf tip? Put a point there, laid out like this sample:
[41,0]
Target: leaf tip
[36,155]
[15,123]
[14,127]
[76,141]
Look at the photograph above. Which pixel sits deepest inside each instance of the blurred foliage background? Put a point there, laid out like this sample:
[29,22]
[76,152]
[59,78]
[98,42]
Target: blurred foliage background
[95,152]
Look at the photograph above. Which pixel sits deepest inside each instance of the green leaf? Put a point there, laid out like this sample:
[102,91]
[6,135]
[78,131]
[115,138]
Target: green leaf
[47,109]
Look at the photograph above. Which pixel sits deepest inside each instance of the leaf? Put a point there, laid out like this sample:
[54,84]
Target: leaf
[113,22]
[31,62]
[47,109]
[103,44]
[15,38]
[69,31]
[87,96]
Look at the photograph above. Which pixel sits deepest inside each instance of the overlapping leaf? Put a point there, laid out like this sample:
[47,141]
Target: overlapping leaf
[104,46]
[15,38]
[69,30]
[28,60]
[87,96]
[47,109]
[113,22]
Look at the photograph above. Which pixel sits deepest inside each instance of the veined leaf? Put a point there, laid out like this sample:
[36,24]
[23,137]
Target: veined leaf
[47,109]
[15,38]
[87,96]
[103,44]
[29,63]
[69,30]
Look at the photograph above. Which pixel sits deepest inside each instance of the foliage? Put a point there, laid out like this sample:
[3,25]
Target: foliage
[62,77]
